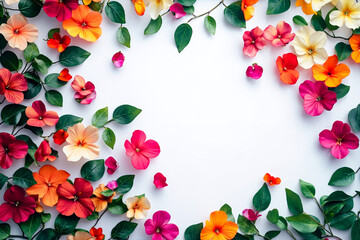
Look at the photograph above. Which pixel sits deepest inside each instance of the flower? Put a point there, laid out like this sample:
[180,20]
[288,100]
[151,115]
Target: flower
[100,201]
[218,227]
[64,75]
[355,46]
[60,9]
[58,42]
[75,198]
[18,32]
[251,214]
[156,6]
[279,36]
[286,66]
[60,136]
[48,179]
[178,10]
[160,180]
[39,208]
[11,148]
[112,165]
[348,13]
[137,207]
[253,42]
[12,86]
[87,2]
[85,23]
[9,2]
[97,232]
[248,9]
[85,91]
[139,6]
[81,142]
[339,139]
[316,97]
[318,4]
[160,228]
[140,150]
[43,153]
[80,235]
[39,117]
[254,71]
[112,185]
[309,47]
[118,59]
[331,72]
[87,99]
[305,6]
[271,180]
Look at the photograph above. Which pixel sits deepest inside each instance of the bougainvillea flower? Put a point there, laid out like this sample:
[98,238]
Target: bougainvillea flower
[100,201]
[64,75]
[139,6]
[271,180]
[43,153]
[178,10]
[85,99]
[85,23]
[118,59]
[355,46]
[251,214]
[85,91]
[60,9]
[156,6]
[137,207]
[309,47]
[58,42]
[140,150]
[305,6]
[16,206]
[81,235]
[286,66]
[18,32]
[11,148]
[340,139]
[81,142]
[39,117]
[112,185]
[160,180]
[48,179]
[253,42]
[12,86]
[97,233]
[160,228]
[75,198]
[347,12]
[60,136]
[218,227]
[254,71]
[316,97]
[248,9]
[279,36]
[112,165]
[331,72]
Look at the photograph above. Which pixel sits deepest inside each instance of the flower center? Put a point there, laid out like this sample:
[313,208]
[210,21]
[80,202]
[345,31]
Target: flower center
[83,24]
[285,68]
[76,198]
[339,141]
[137,206]
[318,99]
[6,149]
[245,6]
[80,143]
[158,230]
[329,73]
[137,149]
[40,118]
[7,86]
[252,41]
[346,13]
[49,184]
[217,231]
[310,51]
[279,36]
[17,204]
[16,31]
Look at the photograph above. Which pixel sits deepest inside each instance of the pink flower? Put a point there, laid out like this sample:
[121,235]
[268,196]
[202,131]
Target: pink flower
[62,10]
[112,165]
[112,185]
[178,10]
[160,228]
[118,59]
[253,42]
[279,36]
[254,71]
[251,215]
[316,97]
[140,150]
[11,148]
[160,180]
[85,91]
[39,117]
[339,139]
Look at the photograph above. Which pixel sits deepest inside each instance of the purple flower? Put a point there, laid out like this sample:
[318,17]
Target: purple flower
[159,227]
[254,71]
[112,185]
[118,59]
[251,215]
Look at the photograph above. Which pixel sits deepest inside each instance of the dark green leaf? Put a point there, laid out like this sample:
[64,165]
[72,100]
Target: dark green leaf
[327,20]
[52,81]
[235,16]
[343,221]
[45,217]
[337,196]
[4,230]
[277,6]
[125,183]
[33,76]
[30,227]
[30,8]
[93,170]
[115,12]
[31,52]
[35,130]
[227,209]
[246,226]
[340,90]
[273,216]
[332,208]
[10,61]
[67,121]
[123,36]
[54,98]
[33,89]
[343,51]
[299,20]
[3,42]
[356,31]
[47,234]
[193,232]
[95,6]
[73,56]
[123,229]
[23,177]
[355,230]
[52,31]
[187,3]
[3,180]
[125,114]
[282,223]
[189,10]
[354,118]
[117,206]
[210,24]
[307,189]
[318,22]
[153,26]
[93,216]
[28,141]
[182,36]
[100,117]
[65,224]
[109,137]
[11,113]
[42,63]
[294,202]
[303,223]
[272,234]
[342,177]
[262,198]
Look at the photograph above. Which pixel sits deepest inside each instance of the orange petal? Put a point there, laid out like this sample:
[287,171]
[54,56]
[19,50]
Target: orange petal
[51,197]
[93,19]
[229,230]
[341,71]
[50,118]
[319,72]
[39,189]
[207,233]
[31,113]
[218,218]
[355,42]
[47,171]
[249,12]
[72,27]
[331,63]
[250,2]
[355,55]
[289,76]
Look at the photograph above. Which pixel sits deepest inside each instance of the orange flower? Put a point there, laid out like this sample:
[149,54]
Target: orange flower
[139,6]
[218,228]
[272,180]
[48,179]
[58,42]
[100,201]
[286,66]
[355,46]
[64,75]
[39,208]
[137,207]
[84,23]
[306,7]
[331,72]
[248,9]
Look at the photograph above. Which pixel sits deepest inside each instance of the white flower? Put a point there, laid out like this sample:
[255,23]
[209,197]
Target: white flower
[9,2]
[317,4]
[156,6]
[348,13]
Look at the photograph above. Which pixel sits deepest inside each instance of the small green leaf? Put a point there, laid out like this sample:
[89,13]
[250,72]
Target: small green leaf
[123,36]
[3,180]
[31,52]
[210,24]
[294,202]
[123,230]
[47,234]
[52,31]
[33,89]
[262,198]
[235,16]
[299,20]
[303,223]
[125,183]
[342,177]
[54,98]
[115,12]
[65,224]
[11,113]
[340,90]
[117,206]
[343,221]
[9,60]
[42,63]
[100,117]
[337,196]
[23,177]
[182,36]
[343,51]
[125,114]
[355,230]
[307,189]
[30,227]
[45,217]
[282,223]
[187,3]
[327,21]
[318,22]
[30,8]
[227,209]
[93,216]
[331,209]
[193,232]
[273,216]
[153,26]
[277,6]
[4,230]
[93,170]
[354,118]
[66,121]
[246,226]
[95,6]
[38,131]
[109,137]
[73,56]
[52,81]
[189,10]
[272,234]
[107,193]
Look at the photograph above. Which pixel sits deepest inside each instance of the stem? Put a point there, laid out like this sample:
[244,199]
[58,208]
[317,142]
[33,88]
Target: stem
[165,13]
[17,236]
[12,9]
[26,64]
[290,233]
[323,213]
[2,101]
[100,217]
[42,228]
[206,13]
[333,36]
[322,226]
[12,132]
[18,131]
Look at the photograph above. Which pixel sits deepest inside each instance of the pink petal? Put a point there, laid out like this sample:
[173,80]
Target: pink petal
[311,106]
[161,218]
[112,165]
[286,38]
[18,149]
[249,214]
[327,139]
[256,33]
[328,99]
[39,107]
[139,161]
[260,43]
[270,33]
[178,9]
[250,50]
[339,151]
[307,87]
[6,211]
[157,236]
[150,149]
[150,227]
[247,36]
[51,8]
[130,149]
[78,83]
[160,180]
[351,141]
[277,42]
[169,231]
[283,28]
[340,129]
[138,138]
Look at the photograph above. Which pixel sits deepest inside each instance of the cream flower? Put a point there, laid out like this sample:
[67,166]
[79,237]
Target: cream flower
[9,2]
[317,4]
[348,13]
[156,6]
[309,47]
[137,208]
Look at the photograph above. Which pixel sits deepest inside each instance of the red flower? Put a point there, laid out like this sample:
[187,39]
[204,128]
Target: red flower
[62,10]
[160,180]
[64,75]
[75,198]
[39,117]
[97,232]
[11,148]
[43,152]
[253,42]
[251,214]
[17,206]
[60,136]
[286,66]
[12,86]
[58,42]
[272,180]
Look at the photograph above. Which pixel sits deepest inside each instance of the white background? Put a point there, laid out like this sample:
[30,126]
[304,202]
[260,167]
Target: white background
[218,130]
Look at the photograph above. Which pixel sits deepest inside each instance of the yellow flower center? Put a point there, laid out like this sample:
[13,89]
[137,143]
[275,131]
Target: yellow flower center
[339,141]
[285,68]
[318,99]
[310,51]
[217,231]
[252,41]
[17,204]
[40,118]
[279,36]
[158,230]
[137,150]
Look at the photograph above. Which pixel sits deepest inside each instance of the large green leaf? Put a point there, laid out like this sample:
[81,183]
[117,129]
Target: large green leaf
[23,177]
[307,189]
[227,209]
[115,12]
[47,234]
[303,223]
[123,230]
[340,90]
[354,118]
[42,63]
[125,114]
[30,8]
[65,224]
[117,206]
[246,226]
[355,230]
[235,16]
[100,117]
[342,177]
[93,170]
[31,51]
[294,202]
[193,232]
[343,51]
[153,26]
[182,36]
[4,230]
[52,81]
[262,198]
[277,6]
[125,183]
[66,121]
[11,113]
[9,60]
[30,227]
[54,98]
[343,221]
[73,56]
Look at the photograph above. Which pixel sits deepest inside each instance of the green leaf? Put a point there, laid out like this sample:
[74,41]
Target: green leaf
[340,90]
[117,206]
[52,81]
[45,217]
[125,114]
[33,76]
[235,16]
[210,24]
[153,26]
[273,216]
[343,51]
[107,193]
[125,183]
[93,170]
[343,221]
[277,6]
[66,121]
[307,189]
[355,230]
[299,20]
[3,42]
[187,3]
[93,216]
[42,63]
[193,232]
[28,141]
[54,98]
[95,6]
[30,227]
[327,21]
[11,113]
[31,52]
[123,36]
[356,31]
[354,119]
[38,131]
[342,177]
[3,180]
[23,177]
[33,89]
[73,56]
[331,209]
[189,10]
[272,234]
[303,223]
[294,202]
[4,230]
[318,22]
[47,234]
[337,196]
[262,198]
[227,209]
[246,226]
[115,12]
[282,223]
[123,229]
[182,36]
[109,137]
[30,8]
[52,31]
[65,224]
[100,117]
[9,60]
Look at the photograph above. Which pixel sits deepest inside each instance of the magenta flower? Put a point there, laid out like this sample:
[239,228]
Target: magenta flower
[279,36]
[251,214]
[339,139]
[112,185]
[118,59]
[160,228]
[253,42]
[112,165]
[254,71]
[61,9]
[178,10]
[140,150]
[85,91]
[11,148]
[160,180]
[316,97]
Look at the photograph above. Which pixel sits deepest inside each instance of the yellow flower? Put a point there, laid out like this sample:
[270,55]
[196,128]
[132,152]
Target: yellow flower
[348,13]
[137,208]
[156,6]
